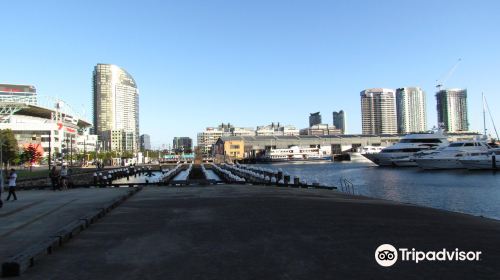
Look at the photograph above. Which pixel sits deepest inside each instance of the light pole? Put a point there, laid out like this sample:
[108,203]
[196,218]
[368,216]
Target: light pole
[1,162]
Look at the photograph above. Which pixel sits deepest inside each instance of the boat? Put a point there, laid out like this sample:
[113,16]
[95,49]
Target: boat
[449,157]
[482,161]
[358,155]
[409,145]
[296,153]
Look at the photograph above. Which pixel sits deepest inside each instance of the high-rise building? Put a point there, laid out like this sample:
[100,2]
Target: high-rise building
[411,112]
[378,111]
[116,107]
[339,121]
[452,109]
[183,145]
[314,119]
[18,94]
[145,142]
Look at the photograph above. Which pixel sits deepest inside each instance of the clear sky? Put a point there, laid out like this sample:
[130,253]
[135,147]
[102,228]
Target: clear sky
[200,63]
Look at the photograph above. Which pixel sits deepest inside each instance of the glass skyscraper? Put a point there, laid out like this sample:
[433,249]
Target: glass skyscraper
[411,112]
[116,108]
[378,111]
[452,109]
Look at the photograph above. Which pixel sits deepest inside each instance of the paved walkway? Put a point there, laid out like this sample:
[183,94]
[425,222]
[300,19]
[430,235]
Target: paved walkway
[256,232]
[38,214]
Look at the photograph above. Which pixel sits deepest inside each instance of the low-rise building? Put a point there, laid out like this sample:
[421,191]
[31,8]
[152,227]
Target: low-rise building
[209,137]
[320,129]
[253,147]
[277,130]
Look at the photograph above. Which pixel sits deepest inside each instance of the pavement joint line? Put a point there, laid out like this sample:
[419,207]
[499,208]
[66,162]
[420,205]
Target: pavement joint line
[19,263]
[20,209]
[36,219]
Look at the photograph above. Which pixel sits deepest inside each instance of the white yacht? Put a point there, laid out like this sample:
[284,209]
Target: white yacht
[482,160]
[358,155]
[449,157]
[296,153]
[406,147]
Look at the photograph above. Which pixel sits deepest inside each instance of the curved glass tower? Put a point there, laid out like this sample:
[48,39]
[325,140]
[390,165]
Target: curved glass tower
[116,108]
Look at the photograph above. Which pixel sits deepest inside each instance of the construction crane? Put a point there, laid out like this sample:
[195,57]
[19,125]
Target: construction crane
[440,82]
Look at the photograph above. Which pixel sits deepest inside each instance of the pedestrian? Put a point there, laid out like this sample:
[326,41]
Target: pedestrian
[54,178]
[12,184]
[64,177]
[95,179]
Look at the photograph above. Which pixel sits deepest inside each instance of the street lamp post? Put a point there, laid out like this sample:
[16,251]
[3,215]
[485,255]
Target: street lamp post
[1,162]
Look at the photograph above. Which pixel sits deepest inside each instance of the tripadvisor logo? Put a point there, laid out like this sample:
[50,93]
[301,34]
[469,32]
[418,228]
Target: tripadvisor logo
[387,255]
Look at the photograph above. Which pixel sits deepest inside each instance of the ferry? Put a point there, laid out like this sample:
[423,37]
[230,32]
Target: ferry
[296,153]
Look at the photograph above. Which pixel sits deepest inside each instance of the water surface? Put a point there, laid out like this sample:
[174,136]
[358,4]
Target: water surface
[472,192]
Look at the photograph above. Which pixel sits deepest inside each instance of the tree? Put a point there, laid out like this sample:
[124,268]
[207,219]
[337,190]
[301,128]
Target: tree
[10,149]
[32,154]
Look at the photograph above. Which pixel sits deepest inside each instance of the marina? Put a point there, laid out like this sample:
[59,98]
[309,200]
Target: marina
[473,192]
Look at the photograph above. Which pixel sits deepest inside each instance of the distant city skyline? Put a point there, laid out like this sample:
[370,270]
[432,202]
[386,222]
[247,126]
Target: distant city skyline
[289,58]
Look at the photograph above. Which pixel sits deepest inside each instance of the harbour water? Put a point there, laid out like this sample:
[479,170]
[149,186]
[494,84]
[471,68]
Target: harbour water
[472,192]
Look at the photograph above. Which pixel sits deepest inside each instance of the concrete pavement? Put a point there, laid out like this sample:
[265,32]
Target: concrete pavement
[257,232]
[38,214]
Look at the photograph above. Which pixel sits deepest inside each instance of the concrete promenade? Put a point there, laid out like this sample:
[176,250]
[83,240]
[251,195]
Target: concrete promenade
[37,214]
[258,232]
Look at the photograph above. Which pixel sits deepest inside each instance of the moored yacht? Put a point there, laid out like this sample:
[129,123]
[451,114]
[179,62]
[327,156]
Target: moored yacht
[482,160]
[449,157]
[408,146]
[358,155]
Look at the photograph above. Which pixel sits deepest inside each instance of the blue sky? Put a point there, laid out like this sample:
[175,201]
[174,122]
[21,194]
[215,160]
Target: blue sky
[200,63]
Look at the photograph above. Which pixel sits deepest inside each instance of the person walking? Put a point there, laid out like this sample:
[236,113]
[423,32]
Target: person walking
[12,184]
[54,178]
[64,177]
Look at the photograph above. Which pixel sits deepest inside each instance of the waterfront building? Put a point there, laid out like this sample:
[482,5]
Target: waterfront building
[182,145]
[411,110]
[276,129]
[314,119]
[18,94]
[209,137]
[145,142]
[378,111]
[339,121]
[233,149]
[253,147]
[116,107]
[320,129]
[452,109]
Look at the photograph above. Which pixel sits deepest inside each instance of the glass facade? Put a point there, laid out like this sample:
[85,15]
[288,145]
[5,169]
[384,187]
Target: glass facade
[452,109]
[116,107]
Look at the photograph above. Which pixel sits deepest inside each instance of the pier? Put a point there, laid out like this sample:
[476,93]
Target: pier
[229,221]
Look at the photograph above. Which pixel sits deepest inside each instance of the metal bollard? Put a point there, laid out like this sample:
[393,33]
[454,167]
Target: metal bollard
[279,175]
[296,181]
[286,179]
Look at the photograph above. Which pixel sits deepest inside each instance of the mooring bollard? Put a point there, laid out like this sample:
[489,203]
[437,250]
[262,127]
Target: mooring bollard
[296,181]
[286,179]
[279,175]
